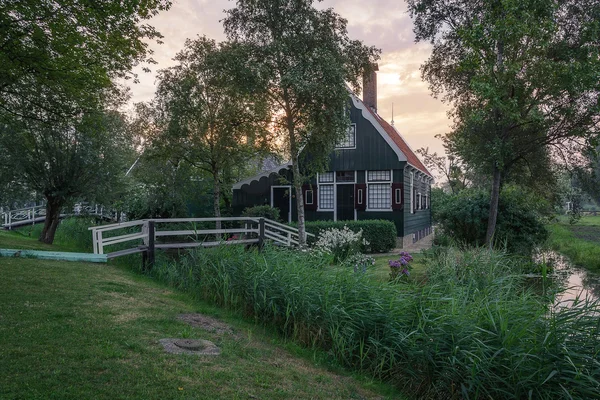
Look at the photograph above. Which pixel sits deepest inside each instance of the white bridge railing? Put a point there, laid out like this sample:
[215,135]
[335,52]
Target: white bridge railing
[150,234]
[32,215]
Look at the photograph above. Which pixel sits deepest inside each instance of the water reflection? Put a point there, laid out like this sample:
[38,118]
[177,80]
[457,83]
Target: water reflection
[575,283]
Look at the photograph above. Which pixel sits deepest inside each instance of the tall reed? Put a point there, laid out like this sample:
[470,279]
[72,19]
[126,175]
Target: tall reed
[473,331]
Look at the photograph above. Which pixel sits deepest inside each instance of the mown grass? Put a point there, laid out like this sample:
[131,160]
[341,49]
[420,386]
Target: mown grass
[580,242]
[82,331]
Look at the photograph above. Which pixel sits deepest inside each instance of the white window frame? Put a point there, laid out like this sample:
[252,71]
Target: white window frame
[312,197]
[410,192]
[379,182]
[319,191]
[353,129]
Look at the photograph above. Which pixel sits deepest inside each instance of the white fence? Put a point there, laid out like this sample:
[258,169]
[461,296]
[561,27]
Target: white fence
[36,214]
[146,233]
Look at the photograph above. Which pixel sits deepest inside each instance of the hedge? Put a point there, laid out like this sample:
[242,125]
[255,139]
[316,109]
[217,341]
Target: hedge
[380,234]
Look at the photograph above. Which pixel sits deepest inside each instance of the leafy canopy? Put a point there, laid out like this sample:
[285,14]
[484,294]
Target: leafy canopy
[57,57]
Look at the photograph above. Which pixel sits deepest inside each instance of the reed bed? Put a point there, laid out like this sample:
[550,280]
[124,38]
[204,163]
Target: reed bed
[473,331]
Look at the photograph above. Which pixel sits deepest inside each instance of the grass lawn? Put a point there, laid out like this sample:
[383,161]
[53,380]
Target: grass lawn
[21,240]
[580,242]
[81,331]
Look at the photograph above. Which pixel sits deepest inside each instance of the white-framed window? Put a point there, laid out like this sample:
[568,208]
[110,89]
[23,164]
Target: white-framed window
[379,190]
[326,177]
[345,176]
[379,176]
[349,139]
[309,197]
[419,201]
[326,198]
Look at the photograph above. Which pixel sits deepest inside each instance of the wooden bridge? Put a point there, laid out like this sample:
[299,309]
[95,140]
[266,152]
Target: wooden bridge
[145,236]
[36,214]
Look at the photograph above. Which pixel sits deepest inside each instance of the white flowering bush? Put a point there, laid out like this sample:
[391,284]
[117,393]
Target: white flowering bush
[341,243]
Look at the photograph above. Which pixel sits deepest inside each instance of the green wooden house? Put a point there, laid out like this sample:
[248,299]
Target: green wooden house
[372,174]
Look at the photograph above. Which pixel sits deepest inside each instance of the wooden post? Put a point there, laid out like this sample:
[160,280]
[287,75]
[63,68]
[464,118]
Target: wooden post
[150,250]
[261,232]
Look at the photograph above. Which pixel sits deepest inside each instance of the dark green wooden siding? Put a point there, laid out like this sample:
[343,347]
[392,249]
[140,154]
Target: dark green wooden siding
[420,219]
[372,152]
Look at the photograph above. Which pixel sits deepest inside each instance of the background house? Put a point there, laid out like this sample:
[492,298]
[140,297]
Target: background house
[372,174]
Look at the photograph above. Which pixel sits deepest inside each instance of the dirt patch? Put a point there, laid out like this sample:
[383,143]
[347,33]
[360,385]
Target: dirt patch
[589,233]
[198,347]
[207,323]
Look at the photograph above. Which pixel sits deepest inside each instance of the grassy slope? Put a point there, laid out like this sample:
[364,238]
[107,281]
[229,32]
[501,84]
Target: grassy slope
[579,242]
[77,330]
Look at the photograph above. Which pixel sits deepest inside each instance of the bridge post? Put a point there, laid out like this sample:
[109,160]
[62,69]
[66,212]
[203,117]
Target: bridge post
[151,247]
[261,232]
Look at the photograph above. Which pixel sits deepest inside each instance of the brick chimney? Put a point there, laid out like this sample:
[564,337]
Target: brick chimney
[370,88]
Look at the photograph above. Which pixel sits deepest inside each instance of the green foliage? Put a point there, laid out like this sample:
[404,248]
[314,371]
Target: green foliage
[205,117]
[463,217]
[380,234]
[262,211]
[59,57]
[507,69]
[473,331]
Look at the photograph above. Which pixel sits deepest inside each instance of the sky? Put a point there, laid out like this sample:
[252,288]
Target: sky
[381,23]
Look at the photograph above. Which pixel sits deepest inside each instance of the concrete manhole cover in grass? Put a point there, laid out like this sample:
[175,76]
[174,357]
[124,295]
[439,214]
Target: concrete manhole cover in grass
[199,347]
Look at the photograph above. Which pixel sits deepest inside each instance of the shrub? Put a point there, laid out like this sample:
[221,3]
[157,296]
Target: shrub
[380,234]
[340,243]
[520,227]
[471,332]
[262,211]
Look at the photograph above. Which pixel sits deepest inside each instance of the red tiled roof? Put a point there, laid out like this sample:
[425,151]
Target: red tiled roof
[399,140]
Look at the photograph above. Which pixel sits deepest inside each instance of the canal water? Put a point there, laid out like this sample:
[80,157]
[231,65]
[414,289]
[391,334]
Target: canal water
[573,282]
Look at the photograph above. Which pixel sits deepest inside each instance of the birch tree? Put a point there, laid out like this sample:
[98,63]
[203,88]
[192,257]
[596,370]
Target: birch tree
[305,60]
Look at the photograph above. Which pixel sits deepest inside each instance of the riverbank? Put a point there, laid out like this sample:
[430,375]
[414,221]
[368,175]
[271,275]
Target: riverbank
[580,242]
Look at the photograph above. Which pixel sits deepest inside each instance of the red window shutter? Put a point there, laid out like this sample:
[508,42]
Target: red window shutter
[310,199]
[397,196]
[360,196]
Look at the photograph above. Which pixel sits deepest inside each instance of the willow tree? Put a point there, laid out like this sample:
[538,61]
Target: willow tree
[206,116]
[305,60]
[84,158]
[522,77]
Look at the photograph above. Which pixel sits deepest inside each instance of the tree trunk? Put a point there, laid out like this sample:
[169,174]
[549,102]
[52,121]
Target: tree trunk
[217,201]
[53,207]
[494,200]
[299,202]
